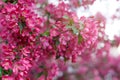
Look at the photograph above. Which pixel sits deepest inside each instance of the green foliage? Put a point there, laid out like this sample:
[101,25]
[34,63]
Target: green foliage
[73,28]
[4,0]
[39,74]
[21,25]
[65,17]
[46,33]
[5,72]
[1,70]
[80,39]
[11,1]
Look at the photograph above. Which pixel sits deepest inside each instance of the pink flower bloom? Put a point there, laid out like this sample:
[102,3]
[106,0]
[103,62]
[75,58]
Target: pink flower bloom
[7,64]
[7,78]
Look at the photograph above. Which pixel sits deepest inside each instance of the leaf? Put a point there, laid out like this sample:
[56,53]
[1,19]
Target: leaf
[57,56]
[21,25]
[71,22]
[53,26]
[56,41]
[80,39]
[66,59]
[1,70]
[74,29]
[65,17]
[7,72]
[15,1]
[5,1]
[41,66]
[68,27]
[11,1]
[46,33]
[39,74]
[46,74]
[81,26]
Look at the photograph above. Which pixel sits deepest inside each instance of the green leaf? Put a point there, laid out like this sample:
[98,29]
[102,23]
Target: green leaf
[6,41]
[46,74]
[80,39]
[41,66]
[7,72]
[15,1]
[21,25]
[56,40]
[39,74]
[30,32]
[1,70]
[81,26]
[65,17]
[46,33]
[4,0]
[74,29]
[69,27]
[66,59]
[11,1]
[71,22]
[53,26]
[57,56]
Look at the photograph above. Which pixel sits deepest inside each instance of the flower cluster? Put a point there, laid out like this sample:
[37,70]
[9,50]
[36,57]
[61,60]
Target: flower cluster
[35,45]
[28,39]
[82,3]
